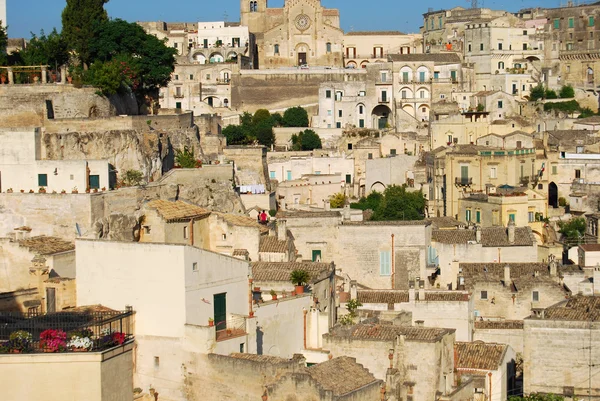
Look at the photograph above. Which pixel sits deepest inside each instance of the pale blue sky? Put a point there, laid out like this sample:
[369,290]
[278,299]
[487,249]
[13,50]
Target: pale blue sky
[25,16]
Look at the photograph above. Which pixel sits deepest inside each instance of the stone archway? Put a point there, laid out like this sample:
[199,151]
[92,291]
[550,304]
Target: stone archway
[553,195]
[380,116]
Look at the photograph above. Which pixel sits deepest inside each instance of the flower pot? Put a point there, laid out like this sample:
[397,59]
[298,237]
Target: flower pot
[274,297]
[70,79]
[15,351]
[3,79]
[211,323]
[79,349]
[299,289]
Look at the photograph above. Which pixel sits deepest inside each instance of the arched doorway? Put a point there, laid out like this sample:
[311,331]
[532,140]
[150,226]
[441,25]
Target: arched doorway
[553,195]
[302,51]
[378,187]
[381,116]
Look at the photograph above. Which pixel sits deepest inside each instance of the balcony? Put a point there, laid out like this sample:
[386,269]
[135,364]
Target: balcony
[387,81]
[97,331]
[384,100]
[233,327]
[223,81]
[178,96]
[463,182]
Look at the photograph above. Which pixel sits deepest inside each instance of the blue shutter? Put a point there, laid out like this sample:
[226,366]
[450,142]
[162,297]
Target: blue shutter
[385,263]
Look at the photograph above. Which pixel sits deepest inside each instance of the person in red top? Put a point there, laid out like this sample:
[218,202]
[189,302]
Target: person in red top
[263,217]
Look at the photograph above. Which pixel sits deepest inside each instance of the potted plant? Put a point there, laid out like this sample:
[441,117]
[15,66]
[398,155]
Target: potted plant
[42,190]
[211,322]
[9,191]
[63,192]
[2,79]
[81,340]
[31,191]
[53,340]
[299,278]
[20,341]
[22,191]
[111,338]
[273,295]
[74,191]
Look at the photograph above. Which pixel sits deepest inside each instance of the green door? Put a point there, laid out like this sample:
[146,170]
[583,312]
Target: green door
[316,255]
[464,175]
[220,310]
[94,181]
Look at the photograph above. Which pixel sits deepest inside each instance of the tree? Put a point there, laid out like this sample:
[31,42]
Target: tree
[132,178]
[235,135]
[295,117]
[3,43]
[115,76]
[306,140]
[400,204]
[146,54]
[277,119]
[550,94]
[261,116]
[49,50]
[79,19]
[351,306]
[299,277]
[338,201]
[263,133]
[569,107]
[573,230]
[185,158]
[538,92]
[372,202]
[566,92]
[536,397]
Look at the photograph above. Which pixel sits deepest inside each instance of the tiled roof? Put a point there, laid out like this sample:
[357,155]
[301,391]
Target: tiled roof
[260,358]
[388,223]
[433,57]
[43,245]
[389,332]
[445,222]
[401,296]
[172,211]
[578,308]
[374,33]
[280,271]
[271,244]
[490,236]
[240,252]
[485,93]
[590,247]
[307,215]
[589,120]
[499,324]
[479,355]
[242,221]
[341,375]
[473,272]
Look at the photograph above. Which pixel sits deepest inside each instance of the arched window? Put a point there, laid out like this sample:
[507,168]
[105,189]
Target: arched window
[328,47]
[253,6]
[276,49]
[501,65]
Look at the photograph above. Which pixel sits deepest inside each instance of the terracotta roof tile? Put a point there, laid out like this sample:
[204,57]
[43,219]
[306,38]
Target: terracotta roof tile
[44,245]
[341,375]
[388,223]
[590,247]
[375,33]
[401,296]
[499,325]
[479,355]
[389,332]
[172,211]
[280,271]
[578,308]
[490,236]
[260,358]
[271,244]
[242,221]
[494,272]
[240,252]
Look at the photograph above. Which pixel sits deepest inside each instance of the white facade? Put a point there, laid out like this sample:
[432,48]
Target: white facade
[21,167]
[296,167]
[218,35]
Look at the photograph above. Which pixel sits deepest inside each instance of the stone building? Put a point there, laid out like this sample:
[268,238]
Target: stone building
[313,190]
[418,361]
[3,13]
[299,33]
[560,346]
[511,290]
[362,48]
[493,367]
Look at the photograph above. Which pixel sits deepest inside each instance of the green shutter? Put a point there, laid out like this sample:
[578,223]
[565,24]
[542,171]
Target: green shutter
[316,255]
[478,216]
[220,311]
[557,23]
[42,180]
[385,263]
[94,181]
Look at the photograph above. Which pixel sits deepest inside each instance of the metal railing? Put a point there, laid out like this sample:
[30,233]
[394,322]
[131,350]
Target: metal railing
[30,332]
[463,181]
[230,328]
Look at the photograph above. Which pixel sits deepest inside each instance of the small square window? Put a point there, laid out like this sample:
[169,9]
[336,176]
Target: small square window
[370,156]
[484,295]
[349,146]
[191,77]
[328,94]
[195,266]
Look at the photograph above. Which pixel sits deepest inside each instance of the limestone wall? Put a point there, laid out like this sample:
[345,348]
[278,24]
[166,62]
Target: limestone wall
[512,337]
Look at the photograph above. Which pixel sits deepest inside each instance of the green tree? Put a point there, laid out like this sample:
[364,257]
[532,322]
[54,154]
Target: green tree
[277,119]
[235,135]
[3,44]
[569,107]
[400,204]
[115,76]
[586,112]
[79,19]
[246,120]
[149,56]
[295,117]
[538,92]
[536,397]
[338,200]
[550,94]
[49,50]
[567,92]
[263,133]
[185,158]
[573,230]
[132,178]
[306,140]
[351,306]
[372,202]
[261,116]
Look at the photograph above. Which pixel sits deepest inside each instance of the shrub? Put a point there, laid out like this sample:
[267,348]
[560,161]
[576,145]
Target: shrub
[537,92]
[306,140]
[550,94]
[338,201]
[567,92]
[132,178]
[295,117]
[20,340]
[185,158]
[562,202]
[299,277]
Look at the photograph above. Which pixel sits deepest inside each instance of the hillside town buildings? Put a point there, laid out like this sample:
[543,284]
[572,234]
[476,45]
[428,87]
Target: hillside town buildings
[169,259]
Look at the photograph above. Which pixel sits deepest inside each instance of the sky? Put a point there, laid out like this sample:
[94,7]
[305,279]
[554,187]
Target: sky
[26,16]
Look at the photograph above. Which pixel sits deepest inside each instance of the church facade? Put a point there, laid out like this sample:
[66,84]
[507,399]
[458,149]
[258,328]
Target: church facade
[302,32]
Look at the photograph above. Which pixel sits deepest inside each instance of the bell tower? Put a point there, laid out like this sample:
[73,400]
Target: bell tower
[253,15]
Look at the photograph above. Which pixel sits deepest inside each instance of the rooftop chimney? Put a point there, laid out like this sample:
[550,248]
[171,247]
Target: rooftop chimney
[421,290]
[281,229]
[511,232]
[507,275]
[553,266]
[478,234]
[596,280]
[353,289]
[411,291]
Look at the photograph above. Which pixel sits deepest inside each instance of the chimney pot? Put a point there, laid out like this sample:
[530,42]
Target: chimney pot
[511,232]
[507,280]
[281,229]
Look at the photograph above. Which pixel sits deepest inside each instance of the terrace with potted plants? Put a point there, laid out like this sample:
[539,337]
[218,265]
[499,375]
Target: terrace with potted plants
[83,330]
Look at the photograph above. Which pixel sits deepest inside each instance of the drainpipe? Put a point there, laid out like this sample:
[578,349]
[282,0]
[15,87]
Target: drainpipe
[192,232]
[393,263]
[250,311]
[490,377]
[304,311]
[499,255]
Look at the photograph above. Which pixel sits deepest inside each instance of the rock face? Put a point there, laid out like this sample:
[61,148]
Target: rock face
[118,227]
[152,152]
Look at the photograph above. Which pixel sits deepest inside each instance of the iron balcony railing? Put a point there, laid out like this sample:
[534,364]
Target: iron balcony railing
[233,327]
[463,181]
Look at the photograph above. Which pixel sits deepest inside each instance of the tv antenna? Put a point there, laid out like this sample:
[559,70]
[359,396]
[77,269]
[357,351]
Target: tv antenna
[225,16]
